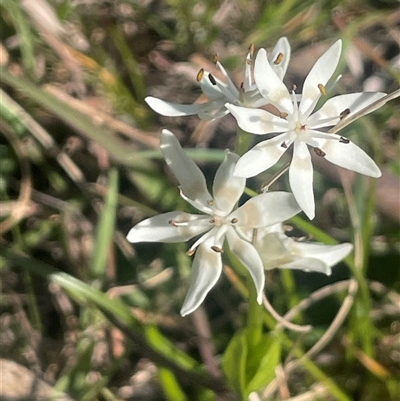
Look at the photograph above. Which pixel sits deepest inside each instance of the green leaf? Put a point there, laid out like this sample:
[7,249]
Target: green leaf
[105,228]
[266,358]
[234,362]
[171,387]
[167,348]
[250,368]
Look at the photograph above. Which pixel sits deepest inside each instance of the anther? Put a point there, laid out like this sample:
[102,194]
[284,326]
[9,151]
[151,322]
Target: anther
[210,202]
[234,220]
[344,113]
[319,152]
[212,79]
[251,50]
[200,75]
[283,144]
[344,140]
[322,89]
[303,126]
[215,58]
[278,59]
[173,223]
[190,252]
[294,87]
[217,249]
[283,115]
[212,221]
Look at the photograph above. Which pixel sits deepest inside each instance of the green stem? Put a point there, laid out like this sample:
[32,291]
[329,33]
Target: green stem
[243,142]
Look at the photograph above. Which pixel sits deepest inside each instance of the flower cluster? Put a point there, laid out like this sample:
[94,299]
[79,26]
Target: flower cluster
[253,231]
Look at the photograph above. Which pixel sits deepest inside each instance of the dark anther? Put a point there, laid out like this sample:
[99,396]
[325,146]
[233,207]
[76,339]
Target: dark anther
[212,79]
[344,140]
[319,152]
[344,113]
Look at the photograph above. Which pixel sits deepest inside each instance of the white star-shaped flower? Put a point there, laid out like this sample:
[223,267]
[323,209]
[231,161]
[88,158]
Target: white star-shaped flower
[220,220]
[278,250]
[295,124]
[220,92]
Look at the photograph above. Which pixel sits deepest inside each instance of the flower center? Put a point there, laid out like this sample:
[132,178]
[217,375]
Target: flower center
[300,128]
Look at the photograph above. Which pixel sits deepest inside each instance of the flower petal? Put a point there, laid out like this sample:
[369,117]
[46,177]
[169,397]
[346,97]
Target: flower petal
[190,177]
[307,265]
[207,268]
[280,57]
[170,109]
[301,178]
[250,258]
[270,85]
[257,121]
[329,254]
[266,209]
[263,156]
[159,228]
[329,114]
[346,154]
[320,74]
[227,189]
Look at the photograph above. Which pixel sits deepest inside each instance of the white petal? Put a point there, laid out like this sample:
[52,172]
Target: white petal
[250,258]
[338,104]
[281,47]
[308,265]
[170,109]
[272,249]
[346,155]
[266,209]
[159,229]
[257,121]
[215,109]
[211,90]
[329,254]
[270,85]
[207,268]
[190,177]
[263,156]
[227,189]
[321,72]
[301,178]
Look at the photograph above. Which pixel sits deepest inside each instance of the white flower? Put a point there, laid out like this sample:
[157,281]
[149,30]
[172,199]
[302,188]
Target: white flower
[278,250]
[297,125]
[219,220]
[221,92]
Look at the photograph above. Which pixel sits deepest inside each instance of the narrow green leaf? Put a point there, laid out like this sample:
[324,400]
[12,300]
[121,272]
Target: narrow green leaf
[164,346]
[269,350]
[105,228]
[234,362]
[171,387]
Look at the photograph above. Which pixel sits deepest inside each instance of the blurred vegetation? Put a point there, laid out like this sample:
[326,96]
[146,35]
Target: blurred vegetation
[98,319]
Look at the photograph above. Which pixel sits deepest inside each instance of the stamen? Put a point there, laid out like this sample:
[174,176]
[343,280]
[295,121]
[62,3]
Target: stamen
[217,249]
[251,50]
[200,75]
[212,221]
[278,59]
[303,126]
[319,152]
[190,252]
[210,202]
[322,89]
[294,87]
[344,140]
[344,113]
[175,223]
[283,144]
[215,58]
[234,220]
[212,79]
[283,115]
